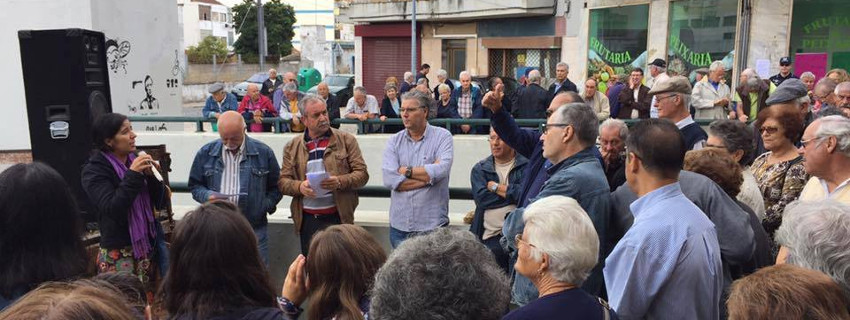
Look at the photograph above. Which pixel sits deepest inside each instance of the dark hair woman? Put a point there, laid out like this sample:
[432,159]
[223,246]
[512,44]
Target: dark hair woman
[343,262]
[124,193]
[390,107]
[216,269]
[779,172]
[40,230]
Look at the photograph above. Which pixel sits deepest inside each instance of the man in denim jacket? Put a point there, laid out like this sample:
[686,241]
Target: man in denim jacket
[573,170]
[241,170]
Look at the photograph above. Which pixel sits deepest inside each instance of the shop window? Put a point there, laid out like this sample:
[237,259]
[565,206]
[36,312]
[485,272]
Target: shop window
[819,40]
[515,62]
[617,40]
[695,46]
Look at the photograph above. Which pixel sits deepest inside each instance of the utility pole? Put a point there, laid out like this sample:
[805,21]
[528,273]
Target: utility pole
[261,35]
[413,40]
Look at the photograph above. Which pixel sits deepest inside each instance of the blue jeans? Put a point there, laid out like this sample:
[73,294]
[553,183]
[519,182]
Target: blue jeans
[161,250]
[263,243]
[397,236]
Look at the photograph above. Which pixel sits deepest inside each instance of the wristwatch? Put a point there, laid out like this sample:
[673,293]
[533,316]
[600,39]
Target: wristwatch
[494,187]
[409,173]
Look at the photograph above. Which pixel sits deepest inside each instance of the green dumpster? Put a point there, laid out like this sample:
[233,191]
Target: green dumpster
[307,78]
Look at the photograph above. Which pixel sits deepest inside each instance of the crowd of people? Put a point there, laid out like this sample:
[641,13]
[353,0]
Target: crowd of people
[587,218]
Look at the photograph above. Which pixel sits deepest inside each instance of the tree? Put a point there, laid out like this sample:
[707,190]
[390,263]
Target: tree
[278,18]
[204,51]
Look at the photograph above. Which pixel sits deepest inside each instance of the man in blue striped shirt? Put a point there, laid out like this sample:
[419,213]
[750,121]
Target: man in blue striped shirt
[416,166]
[667,266]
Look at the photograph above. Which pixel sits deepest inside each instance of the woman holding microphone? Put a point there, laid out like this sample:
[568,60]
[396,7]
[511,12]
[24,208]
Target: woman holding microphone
[124,193]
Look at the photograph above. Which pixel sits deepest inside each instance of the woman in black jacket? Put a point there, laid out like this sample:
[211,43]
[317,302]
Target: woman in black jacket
[124,193]
[389,108]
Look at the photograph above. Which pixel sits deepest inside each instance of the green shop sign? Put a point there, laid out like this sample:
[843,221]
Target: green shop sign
[699,59]
[615,58]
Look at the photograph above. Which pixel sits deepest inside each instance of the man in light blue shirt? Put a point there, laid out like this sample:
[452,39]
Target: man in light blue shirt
[667,266]
[416,168]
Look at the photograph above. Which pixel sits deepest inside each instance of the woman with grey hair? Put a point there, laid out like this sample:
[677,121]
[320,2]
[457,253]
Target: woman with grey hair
[736,138]
[557,250]
[816,235]
[444,274]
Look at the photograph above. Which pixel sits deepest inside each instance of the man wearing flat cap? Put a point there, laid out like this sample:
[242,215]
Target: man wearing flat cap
[784,72]
[219,102]
[673,96]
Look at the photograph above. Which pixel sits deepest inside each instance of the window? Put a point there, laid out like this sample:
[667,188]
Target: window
[819,28]
[204,13]
[617,40]
[696,45]
[515,62]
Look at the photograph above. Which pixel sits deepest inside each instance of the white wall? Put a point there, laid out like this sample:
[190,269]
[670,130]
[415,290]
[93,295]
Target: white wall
[151,29]
[149,26]
[22,15]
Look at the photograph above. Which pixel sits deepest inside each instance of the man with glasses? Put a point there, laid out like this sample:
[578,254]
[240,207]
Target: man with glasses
[573,170]
[673,96]
[668,263]
[416,166]
[824,95]
[826,156]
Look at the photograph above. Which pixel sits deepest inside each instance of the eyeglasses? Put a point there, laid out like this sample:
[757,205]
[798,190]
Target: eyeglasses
[658,99]
[546,126]
[804,143]
[403,110]
[518,240]
[769,130]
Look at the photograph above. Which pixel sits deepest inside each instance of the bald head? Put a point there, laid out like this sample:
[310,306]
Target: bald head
[253,91]
[323,90]
[288,77]
[562,99]
[231,129]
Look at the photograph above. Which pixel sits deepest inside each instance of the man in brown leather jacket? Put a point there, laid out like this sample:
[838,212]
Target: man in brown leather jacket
[333,160]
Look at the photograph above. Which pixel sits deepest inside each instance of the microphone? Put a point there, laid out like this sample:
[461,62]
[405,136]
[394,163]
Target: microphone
[156,173]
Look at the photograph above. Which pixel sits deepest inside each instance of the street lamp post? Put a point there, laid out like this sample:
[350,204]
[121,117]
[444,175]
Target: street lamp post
[413,39]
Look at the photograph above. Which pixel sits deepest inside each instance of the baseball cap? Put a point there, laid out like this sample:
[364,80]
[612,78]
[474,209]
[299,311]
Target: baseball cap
[785,61]
[659,63]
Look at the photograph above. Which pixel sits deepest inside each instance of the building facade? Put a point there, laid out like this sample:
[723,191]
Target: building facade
[203,18]
[600,36]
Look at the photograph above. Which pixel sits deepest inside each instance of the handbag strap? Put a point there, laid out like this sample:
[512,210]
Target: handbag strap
[606,309]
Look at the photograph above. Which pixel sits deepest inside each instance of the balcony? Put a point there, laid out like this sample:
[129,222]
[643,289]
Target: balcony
[445,10]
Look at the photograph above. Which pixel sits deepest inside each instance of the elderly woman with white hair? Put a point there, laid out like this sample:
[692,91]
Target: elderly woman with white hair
[816,235]
[557,250]
[442,78]
[711,98]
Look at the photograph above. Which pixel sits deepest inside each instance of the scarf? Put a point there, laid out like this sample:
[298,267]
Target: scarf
[140,217]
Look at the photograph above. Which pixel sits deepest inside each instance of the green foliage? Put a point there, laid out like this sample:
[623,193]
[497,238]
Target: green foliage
[204,51]
[278,18]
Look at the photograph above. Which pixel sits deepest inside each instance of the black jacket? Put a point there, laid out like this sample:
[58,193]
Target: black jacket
[437,92]
[333,109]
[387,111]
[567,86]
[111,198]
[531,103]
[269,88]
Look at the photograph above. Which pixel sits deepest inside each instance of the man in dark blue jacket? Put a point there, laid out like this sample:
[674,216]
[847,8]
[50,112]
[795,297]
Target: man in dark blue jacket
[562,83]
[496,186]
[527,143]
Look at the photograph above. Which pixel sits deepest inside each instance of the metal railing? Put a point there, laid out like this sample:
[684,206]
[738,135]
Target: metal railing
[365,191]
[278,123]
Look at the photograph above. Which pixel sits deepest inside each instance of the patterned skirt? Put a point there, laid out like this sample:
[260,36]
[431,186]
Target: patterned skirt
[122,260]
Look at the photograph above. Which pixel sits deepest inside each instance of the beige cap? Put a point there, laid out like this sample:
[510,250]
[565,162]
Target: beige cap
[677,84]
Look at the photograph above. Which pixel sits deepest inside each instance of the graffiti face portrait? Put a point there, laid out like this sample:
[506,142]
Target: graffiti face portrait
[148,86]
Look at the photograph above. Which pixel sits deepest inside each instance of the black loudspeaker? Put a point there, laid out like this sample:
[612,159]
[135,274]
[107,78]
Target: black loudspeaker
[67,87]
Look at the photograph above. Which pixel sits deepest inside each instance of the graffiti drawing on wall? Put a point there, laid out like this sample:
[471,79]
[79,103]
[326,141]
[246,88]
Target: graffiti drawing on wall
[176,69]
[116,54]
[149,102]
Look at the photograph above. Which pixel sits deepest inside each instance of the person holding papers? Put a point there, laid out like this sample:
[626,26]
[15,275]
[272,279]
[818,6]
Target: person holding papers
[241,170]
[321,172]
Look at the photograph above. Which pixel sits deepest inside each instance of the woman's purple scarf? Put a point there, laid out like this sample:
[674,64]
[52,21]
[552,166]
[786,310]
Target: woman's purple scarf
[140,216]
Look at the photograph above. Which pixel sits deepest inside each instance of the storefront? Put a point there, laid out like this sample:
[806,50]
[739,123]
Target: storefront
[819,38]
[700,33]
[617,40]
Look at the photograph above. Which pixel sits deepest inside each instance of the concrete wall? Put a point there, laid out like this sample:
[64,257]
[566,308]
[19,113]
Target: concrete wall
[23,15]
[770,32]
